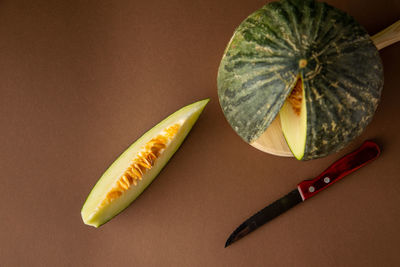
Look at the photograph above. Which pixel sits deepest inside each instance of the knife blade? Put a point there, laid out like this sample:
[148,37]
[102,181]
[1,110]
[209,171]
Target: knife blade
[366,153]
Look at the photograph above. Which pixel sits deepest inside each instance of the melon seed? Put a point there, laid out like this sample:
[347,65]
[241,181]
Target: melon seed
[296,96]
[143,161]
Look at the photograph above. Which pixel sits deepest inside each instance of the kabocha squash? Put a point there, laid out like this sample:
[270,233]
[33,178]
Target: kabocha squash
[137,167]
[307,61]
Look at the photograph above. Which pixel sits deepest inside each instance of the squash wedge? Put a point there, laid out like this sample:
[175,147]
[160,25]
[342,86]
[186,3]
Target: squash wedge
[138,166]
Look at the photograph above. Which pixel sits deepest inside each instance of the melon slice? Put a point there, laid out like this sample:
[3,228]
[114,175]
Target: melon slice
[293,116]
[137,167]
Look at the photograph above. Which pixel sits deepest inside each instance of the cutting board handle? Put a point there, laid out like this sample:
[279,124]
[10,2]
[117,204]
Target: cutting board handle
[388,36]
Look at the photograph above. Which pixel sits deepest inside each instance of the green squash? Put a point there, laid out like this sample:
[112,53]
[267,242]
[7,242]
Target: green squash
[320,49]
[138,166]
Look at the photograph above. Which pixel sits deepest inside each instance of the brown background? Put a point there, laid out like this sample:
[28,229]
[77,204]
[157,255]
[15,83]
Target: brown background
[81,80]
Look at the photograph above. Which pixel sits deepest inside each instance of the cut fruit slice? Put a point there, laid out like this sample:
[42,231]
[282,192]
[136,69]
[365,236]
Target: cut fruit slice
[293,115]
[137,167]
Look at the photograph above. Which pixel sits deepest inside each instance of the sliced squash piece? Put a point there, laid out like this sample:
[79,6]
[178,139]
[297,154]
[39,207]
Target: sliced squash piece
[293,116]
[137,167]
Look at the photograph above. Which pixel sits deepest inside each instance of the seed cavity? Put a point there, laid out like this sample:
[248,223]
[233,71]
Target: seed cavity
[141,163]
[296,96]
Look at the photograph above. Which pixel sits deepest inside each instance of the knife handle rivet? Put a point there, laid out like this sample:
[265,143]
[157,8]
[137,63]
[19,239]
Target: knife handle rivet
[327,180]
[311,189]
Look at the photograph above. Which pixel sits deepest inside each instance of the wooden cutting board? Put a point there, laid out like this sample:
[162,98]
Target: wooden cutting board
[272,140]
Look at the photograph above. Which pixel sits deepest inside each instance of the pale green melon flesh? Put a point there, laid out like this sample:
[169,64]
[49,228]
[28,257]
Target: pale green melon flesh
[95,214]
[294,126]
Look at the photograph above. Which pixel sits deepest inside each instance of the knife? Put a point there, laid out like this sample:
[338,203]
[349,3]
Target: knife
[308,188]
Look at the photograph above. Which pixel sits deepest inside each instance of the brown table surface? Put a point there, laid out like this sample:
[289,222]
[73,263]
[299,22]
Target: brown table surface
[81,80]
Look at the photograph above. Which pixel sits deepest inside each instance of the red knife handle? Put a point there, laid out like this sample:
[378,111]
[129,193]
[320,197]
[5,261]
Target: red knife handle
[344,166]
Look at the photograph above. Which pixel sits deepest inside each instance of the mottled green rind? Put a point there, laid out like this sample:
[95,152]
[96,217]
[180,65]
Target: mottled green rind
[343,78]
